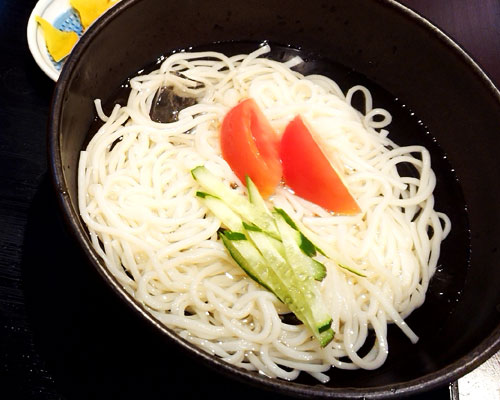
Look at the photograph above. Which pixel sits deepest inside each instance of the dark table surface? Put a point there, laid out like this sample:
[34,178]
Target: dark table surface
[56,341]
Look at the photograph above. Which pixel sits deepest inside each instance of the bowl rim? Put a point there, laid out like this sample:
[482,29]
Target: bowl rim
[444,376]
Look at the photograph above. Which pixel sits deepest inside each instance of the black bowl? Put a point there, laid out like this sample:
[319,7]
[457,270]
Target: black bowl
[438,96]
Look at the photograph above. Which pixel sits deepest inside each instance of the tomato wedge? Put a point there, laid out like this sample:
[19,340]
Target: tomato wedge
[251,146]
[307,171]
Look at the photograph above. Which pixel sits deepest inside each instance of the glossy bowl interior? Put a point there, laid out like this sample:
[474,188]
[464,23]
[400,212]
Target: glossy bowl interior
[438,96]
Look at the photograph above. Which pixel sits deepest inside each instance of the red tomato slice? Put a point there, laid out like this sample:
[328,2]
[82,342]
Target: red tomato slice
[307,171]
[251,146]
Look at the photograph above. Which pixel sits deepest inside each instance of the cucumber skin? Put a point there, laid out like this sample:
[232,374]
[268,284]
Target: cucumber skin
[239,204]
[231,235]
[300,292]
[255,198]
[318,270]
[227,216]
[324,336]
[300,263]
[306,244]
[235,252]
[310,248]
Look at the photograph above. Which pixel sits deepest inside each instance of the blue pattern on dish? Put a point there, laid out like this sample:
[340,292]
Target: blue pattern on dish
[68,21]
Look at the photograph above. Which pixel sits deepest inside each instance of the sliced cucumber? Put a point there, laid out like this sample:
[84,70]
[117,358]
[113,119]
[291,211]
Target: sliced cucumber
[300,263]
[255,197]
[306,244]
[309,244]
[227,216]
[270,248]
[350,269]
[239,204]
[271,255]
[299,290]
[318,270]
[326,337]
[257,267]
[250,260]
[234,236]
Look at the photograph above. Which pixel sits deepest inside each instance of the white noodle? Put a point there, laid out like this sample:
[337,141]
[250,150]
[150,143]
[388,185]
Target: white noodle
[137,198]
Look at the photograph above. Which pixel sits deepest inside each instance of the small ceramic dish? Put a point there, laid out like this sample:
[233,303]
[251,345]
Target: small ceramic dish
[60,14]
[63,17]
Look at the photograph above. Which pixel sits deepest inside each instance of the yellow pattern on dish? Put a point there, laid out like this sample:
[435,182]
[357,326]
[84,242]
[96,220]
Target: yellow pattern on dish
[90,10]
[59,43]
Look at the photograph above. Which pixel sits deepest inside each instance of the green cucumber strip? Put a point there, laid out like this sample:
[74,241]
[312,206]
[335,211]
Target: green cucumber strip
[255,197]
[227,216]
[256,267]
[318,270]
[232,221]
[204,194]
[354,271]
[297,292]
[273,257]
[310,240]
[278,246]
[252,262]
[288,293]
[239,204]
[307,245]
[326,337]
[287,218]
[300,263]
[304,243]
[231,235]
[257,200]
[248,258]
[251,227]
